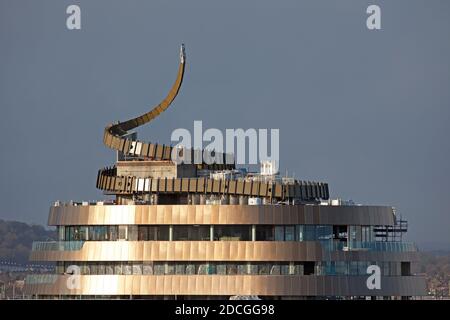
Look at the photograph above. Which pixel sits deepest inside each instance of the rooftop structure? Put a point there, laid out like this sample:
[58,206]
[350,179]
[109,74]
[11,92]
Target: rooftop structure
[186,231]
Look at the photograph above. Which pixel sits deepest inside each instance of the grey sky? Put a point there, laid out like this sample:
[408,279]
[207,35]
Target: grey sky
[366,111]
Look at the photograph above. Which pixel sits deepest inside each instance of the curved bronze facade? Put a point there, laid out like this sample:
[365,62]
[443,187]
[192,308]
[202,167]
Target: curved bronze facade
[219,214]
[292,286]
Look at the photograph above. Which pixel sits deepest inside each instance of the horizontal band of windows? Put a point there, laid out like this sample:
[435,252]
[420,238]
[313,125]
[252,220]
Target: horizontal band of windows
[230,268]
[202,232]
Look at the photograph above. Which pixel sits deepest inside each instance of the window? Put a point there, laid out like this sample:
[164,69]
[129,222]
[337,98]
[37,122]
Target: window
[289,233]
[309,233]
[231,269]
[123,232]
[263,268]
[275,269]
[285,269]
[203,268]
[232,233]
[191,233]
[143,233]
[137,268]
[75,233]
[190,268]
[101,268]
[221,269]
[264,233]
[298,269]
[242,268]
[132,233]
[127,268]
[61,233]
[180,233]
[366,234]
[159,268]
[113,233]
[180,268]
[170,268]
[98,233]
[118,269]
[109,268]
[299,236]
[279,233]
[147,268]
[162,233]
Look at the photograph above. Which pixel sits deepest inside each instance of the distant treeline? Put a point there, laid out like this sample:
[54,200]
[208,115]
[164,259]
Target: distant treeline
[16,239]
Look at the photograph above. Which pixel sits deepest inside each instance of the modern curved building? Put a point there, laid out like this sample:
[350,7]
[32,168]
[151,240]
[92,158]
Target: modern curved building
[199,231]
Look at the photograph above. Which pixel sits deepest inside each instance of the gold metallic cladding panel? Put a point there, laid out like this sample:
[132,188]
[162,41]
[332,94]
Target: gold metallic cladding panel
[213,251]
[186,251]
[219,214]
[260,285]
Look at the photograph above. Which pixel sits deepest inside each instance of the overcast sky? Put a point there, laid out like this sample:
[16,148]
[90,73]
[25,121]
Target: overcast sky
[366,111]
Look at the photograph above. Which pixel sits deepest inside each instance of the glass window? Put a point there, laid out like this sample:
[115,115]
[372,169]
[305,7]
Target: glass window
[203,268]
[137,268]
[132,233]
[324,232]
[200,233]
[190,268]
[113,233]
[162,233]
[123,232]
[279,233]
[159,268]
[309,233]
[231,268]
[118,268]
[264,233]
[298,269]
[143,233]
[263,268]
[98,233]
[275,269]
[242,268]
[221,269]
[147,268]
[180,268]
[75,233]
[253,268]
[289,233]
[170,268]
[101,268]
[180,233]
[109,268]
[284,269]
[232,233]
[127,268]
[299,232]
[93,268]
[61,233]
[211,268]
[191,232]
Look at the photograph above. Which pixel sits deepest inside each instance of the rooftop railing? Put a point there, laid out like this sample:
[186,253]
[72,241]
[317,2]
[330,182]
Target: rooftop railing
[383,246]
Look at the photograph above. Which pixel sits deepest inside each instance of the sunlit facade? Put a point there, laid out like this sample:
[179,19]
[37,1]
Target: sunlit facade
[200,231]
